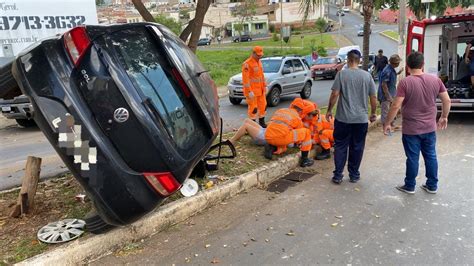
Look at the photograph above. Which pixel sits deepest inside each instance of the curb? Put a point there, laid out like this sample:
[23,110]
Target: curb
[83,250]
[389,37]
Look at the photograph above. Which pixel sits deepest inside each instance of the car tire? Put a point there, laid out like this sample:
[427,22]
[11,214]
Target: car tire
[273,98]
[235,101]
[237,40]
[26,123]
[208,43]
[306,91]
[95,224]
[250,39]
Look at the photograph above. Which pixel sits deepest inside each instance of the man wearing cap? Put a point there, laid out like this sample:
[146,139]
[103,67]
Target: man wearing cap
[254,86]
[380,62]
[388,86]
[351,89]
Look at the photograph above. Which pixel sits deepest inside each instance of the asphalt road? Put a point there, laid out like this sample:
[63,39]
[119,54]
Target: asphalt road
[351,23]
[18,143]
[317,222]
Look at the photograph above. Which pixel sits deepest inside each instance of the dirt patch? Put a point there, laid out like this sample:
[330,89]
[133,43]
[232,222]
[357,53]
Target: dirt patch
[55,200]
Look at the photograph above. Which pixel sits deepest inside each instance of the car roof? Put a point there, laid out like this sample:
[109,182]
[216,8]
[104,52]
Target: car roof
[281,57]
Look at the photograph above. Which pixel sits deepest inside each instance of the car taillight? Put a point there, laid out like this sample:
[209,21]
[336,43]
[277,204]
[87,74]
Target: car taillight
[163,183]
[76,42]
[181,82]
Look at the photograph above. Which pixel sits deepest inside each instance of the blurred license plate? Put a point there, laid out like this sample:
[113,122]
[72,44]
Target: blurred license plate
[6,108]
[319,72]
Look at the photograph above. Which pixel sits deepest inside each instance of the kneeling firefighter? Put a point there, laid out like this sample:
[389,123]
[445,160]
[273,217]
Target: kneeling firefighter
[286,127]
[322,131]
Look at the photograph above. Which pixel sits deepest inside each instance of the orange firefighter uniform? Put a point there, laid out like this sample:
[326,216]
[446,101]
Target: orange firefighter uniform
[286,127]
[254,85]
[321,130]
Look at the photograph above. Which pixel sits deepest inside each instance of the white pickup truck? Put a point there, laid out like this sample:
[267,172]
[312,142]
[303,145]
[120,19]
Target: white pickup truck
[22,23]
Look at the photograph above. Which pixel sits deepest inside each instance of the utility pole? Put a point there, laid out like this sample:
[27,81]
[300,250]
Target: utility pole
[402,33]
[281,26]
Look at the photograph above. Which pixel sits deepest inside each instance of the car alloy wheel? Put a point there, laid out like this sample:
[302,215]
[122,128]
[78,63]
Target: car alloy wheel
[274,97]
[306,92]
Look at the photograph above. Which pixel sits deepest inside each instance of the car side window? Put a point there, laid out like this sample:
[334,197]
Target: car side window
[288,65]
[298,66]
[306,63]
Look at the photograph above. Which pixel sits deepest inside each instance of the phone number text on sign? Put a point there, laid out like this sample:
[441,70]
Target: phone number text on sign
[36,22]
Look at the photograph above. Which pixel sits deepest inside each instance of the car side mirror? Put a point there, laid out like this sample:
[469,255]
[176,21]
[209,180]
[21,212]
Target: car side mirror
[339,60]
[286,71]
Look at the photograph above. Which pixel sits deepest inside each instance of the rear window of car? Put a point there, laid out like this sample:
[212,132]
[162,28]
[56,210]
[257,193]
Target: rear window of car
[323,61]
[271,65]
[151,73]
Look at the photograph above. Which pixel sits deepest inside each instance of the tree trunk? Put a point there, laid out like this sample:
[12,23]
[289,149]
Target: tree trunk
[201,9]
[143,11]
[187,31]
[368,9]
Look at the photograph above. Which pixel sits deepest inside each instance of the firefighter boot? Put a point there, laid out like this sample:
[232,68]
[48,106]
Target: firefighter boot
[305,161]
[325,154]
[261,122]
[269,149]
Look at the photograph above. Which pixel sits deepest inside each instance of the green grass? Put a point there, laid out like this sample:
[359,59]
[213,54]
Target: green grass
[391,33]
[28,247]
[295,41]
[223,64]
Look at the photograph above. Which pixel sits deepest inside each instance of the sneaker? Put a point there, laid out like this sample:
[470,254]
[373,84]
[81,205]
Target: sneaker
[354,180]
[336,180]
[402,188]
[306,162]
[269,149]
[427,189]
[325,154]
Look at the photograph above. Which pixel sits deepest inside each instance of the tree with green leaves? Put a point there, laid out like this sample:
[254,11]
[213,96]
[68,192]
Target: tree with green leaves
[309,6]
[171,23]
[194,26]
[244,12]
[321,25]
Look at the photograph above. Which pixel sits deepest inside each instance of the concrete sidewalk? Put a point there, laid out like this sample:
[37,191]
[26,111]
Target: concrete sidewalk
[95,246]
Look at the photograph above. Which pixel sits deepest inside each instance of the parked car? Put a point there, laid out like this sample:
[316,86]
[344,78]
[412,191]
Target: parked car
[345,9]
[371,65]
[326,67]
[339,12]
[360,31]
[342,53]
[204,41]
[242,38]
[284,76]
[128,108]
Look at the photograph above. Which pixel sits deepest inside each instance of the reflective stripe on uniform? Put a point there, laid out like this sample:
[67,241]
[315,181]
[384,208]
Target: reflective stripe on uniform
[295,136]
[246,85]
[306,143]
[324,140]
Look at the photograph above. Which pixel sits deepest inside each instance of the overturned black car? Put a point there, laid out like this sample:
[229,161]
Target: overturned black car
[129,109]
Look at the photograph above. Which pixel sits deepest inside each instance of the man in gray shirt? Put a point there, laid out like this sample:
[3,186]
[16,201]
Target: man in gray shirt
[352,87]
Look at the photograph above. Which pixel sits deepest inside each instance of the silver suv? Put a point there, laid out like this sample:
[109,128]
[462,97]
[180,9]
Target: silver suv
[284,75]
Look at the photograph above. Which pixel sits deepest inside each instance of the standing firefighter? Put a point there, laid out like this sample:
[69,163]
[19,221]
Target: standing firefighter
[286,127]
[254,86]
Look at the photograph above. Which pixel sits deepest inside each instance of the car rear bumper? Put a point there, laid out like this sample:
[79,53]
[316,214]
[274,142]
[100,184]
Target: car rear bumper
[235,91]
[458,105]
[324,73]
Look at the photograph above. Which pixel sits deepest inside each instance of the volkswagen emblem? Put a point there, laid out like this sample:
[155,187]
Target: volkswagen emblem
[121,115]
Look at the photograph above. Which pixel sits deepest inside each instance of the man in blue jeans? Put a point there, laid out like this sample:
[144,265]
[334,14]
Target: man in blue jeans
[352,86]
[416,95]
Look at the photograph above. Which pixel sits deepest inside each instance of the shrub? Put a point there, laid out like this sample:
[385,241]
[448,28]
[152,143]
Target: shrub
[275,37]
[322,51]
